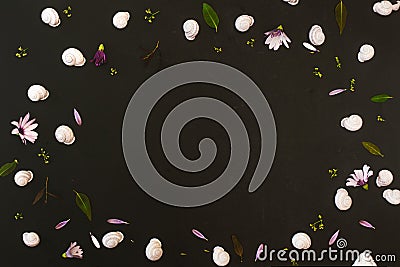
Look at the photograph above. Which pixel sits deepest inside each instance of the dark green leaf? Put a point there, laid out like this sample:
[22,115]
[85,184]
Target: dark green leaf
[83,202]
[210,16]
[380,98]
[341,16]
[38,196]
[8,168]
[372,148]
[237,247]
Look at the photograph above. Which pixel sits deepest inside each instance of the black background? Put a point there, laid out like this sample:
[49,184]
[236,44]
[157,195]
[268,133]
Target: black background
[310,139]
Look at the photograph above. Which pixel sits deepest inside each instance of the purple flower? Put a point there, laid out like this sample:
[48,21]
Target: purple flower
[360,177]
[276,37]
[25,129]
[74,251]
[100,57]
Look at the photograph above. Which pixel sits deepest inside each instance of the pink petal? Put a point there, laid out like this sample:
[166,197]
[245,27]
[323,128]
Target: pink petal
[198,234]
[15,131]
[78,118]
[334,237]
[28,123]
[31,127]
[337,91]
[351,182]
[25,120]
[366,224]
[359,174]
[259,251]
[116,221]
[269,39]
[15,123]
[61,224]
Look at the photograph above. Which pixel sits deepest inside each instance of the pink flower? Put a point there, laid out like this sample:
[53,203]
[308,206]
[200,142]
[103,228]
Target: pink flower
[276,37]
[25,129]
[360,177]
[74,251]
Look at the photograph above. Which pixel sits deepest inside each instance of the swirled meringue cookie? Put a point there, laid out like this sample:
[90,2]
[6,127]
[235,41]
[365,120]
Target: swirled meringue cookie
[292,2]
[65,135]
[112,239]
[342,199]
[316,35]
[301,241]
[392,196]
[22,178]
[352,123]
[365,259]
[50,16]
[244,22]
[73,57]
[37,92]
[191,29]
[120,19]
[31,239]
[366,53]
[385,178]
[385,8]
[220,256]
[153,250]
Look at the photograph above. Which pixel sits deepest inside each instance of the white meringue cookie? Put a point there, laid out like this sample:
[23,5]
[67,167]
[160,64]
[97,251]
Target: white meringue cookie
[365,259]
[301,241]
[112,239]
[31,239]
[153,250]
[37,92]
[191,29]
[220,256]
[65,135]
[120,19]
[366,53]
[22,178]
[292,2]
[385,178]
[243,23]
[50,16]
[383,8]
[73,57]
[352,123]
[342,199]
[316,35]
[392,196]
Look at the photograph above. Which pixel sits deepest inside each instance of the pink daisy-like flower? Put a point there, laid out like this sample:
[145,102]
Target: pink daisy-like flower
[276,37]
[360,177]
[74,251]
[25,129]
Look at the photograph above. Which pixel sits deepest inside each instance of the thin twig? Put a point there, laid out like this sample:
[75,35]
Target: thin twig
[47,192]
[152,52]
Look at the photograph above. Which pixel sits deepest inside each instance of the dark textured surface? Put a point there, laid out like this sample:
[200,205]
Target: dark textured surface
[310,139]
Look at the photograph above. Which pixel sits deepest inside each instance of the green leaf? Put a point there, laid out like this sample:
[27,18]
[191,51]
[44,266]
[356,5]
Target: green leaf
[83,202]
[372,148]
[210,16]
[8,168]
[341,16]
[380,98]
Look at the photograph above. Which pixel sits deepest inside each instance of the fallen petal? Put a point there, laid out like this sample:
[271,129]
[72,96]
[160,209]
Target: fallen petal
[259,251]
[337,91]
[198,234]
[116,221]
[78,118]
[334,237]
[61,224]
[94,240]
[366,224]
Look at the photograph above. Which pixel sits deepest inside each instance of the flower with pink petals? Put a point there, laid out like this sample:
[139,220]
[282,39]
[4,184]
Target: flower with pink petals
[276,37]
[25,129]
[74,251]
[360,177]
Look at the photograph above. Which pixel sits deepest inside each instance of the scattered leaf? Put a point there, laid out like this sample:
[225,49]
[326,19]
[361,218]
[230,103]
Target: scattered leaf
[61,224]
[337,91]
[381,98]
[210,16]
[8,168]
[77,117]
[334,237]
[116,221]
[83,202]
[198,234]
[38,196]
[366,224]
[372,148]
[341,16]
[237,246]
